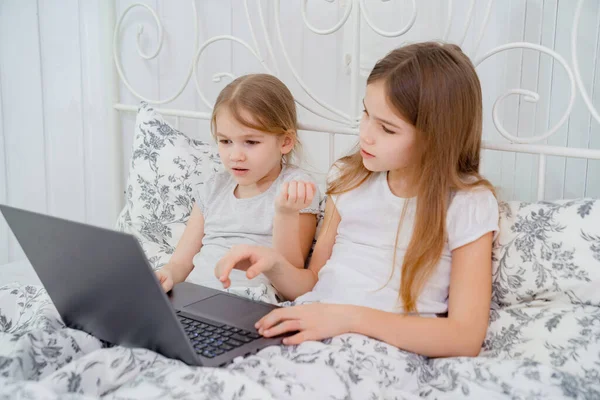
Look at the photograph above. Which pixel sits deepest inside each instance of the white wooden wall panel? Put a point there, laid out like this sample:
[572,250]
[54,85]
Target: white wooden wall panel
[545,77]
[293,39]
[513,18]
[61,95]
[102,138]
[215,18]
[321,64]
[242,61]
[490,72]
[593,166]
[555,182]
[3,180]
[174,61]
[579,123]
[343,144]
[141,74]
[525,183]
[23,109]
[578,128]
[56,150]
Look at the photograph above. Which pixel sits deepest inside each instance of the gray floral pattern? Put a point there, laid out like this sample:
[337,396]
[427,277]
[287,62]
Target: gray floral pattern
[166,167]
[532,353]
[548,252]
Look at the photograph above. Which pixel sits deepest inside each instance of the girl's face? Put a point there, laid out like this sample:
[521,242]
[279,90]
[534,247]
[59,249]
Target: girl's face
[387,142]
[249,155]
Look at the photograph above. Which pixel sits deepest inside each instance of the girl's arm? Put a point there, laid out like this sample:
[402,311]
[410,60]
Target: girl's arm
[460,334]
[290,281]
[180,265]
[293,233]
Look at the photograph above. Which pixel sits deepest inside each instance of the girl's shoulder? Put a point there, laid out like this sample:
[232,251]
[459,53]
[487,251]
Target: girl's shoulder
[471,213]
[479,196]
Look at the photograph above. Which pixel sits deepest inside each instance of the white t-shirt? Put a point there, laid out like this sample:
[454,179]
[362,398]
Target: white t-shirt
[359,271]
[229,221]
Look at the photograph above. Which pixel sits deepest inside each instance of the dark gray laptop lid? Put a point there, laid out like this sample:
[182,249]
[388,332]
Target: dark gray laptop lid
[100,282]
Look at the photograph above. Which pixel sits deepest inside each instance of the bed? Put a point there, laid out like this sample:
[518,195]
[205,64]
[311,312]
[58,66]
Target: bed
[543,339]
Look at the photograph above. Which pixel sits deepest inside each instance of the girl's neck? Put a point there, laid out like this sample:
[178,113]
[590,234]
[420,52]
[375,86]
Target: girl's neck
[401,183]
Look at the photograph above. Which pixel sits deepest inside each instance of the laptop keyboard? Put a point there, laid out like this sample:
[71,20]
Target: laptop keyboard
[211,340]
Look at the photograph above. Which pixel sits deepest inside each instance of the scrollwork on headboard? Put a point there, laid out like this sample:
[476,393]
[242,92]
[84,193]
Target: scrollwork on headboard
[354,13]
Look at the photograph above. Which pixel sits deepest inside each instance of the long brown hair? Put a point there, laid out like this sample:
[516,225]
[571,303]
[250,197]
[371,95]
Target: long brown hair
[267,100]
[434,87]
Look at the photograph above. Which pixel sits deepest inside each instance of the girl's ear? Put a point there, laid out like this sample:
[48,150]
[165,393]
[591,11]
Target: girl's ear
[288,142]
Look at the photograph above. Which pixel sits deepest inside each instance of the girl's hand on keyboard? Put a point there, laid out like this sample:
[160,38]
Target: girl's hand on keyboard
[315,321]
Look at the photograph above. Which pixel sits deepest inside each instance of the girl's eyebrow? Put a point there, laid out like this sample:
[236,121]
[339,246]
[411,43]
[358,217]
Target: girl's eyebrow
[247,136]
[381,119]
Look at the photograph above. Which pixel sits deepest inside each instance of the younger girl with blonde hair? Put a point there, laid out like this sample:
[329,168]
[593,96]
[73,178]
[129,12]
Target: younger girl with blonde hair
[260,198]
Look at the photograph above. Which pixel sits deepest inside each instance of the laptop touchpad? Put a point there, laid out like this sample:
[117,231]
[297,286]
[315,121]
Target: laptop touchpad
[229,310]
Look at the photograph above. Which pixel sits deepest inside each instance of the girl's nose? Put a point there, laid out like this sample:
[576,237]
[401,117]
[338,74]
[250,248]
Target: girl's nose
[237,155]
[365,136]
[368,141]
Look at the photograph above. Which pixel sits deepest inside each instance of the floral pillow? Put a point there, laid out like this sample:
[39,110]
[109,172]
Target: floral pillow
[166,167]
[564,337]
[547,252]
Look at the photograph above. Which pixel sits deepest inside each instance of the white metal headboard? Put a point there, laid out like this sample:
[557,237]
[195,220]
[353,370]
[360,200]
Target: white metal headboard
[356,16]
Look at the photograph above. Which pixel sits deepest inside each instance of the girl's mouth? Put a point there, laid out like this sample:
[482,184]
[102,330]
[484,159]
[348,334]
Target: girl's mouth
[365,154]
[239,171]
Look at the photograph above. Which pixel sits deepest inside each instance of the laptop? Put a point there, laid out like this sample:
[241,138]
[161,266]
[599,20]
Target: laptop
[101,282]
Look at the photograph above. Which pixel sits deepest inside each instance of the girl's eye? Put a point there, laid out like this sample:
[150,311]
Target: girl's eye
[224,141]
[365,112]
[386,130]
[252,142]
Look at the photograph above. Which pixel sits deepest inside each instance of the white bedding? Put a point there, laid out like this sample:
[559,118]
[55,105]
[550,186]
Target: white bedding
[41,358]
